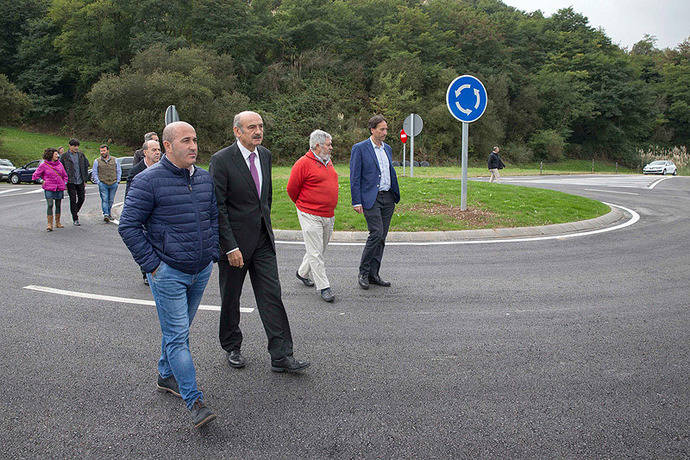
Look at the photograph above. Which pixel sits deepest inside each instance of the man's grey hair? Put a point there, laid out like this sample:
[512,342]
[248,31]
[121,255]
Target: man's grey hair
[146,144]
[149,136]
[318,137]
[236,121]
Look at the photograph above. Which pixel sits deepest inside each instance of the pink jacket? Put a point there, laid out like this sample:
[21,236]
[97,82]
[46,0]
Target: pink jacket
[53,174]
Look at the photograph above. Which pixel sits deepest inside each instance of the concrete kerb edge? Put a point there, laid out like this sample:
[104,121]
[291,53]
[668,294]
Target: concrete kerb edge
[614,217]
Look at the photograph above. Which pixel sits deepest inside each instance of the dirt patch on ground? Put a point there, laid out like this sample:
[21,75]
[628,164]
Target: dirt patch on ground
[472,217]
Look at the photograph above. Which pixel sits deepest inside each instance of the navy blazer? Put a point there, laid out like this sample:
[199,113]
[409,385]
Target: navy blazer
[365,174]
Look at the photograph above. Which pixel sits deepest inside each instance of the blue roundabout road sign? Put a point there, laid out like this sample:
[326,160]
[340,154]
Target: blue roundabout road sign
[466,98]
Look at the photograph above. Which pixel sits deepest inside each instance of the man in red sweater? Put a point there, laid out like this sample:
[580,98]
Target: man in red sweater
[313,186]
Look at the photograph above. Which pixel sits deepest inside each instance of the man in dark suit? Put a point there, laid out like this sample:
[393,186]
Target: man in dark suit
[242,177]
[375,191]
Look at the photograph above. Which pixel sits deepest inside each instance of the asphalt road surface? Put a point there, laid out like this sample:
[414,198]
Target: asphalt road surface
[571,348]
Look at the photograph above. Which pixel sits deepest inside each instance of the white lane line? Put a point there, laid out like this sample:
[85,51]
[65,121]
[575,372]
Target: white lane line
[635,217]
[654,184]
[108,298]
[7,191]
[610,191]
[33,191]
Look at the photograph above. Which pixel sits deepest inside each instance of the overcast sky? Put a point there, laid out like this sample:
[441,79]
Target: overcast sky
[625,21]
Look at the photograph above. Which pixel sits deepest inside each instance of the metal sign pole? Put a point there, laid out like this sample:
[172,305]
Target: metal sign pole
[403,159]
[412,147]
[463,193]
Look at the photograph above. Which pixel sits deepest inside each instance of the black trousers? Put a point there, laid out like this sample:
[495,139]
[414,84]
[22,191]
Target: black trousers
[378,219]
[77,196]
[263,272]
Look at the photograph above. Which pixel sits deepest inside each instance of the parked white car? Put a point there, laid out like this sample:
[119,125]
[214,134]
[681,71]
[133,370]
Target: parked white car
[5,167]
[660,167]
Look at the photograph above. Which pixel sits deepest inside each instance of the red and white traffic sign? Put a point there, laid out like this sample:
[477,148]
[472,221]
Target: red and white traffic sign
[403,136]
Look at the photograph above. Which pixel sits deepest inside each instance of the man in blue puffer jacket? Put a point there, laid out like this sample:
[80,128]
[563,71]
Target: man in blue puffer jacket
[170,225]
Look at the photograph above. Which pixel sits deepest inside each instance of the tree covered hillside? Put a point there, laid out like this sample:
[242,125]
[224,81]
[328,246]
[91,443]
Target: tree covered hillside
[557,86]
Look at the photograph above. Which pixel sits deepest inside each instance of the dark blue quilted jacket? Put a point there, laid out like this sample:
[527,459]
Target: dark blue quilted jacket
[172,217]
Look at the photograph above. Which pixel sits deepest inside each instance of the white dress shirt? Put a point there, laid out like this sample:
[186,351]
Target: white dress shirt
[385,180]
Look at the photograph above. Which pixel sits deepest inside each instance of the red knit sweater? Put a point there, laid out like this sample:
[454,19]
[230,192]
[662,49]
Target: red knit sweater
[313,186]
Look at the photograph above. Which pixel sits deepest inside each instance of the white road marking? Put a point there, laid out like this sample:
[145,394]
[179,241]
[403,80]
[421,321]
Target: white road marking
[651,186]
[626,181]
[635,217]
[7,191]
[33,191]
[108,298]
[611,191]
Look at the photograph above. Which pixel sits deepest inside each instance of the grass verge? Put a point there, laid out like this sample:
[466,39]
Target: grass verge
[433,204]
[21,146]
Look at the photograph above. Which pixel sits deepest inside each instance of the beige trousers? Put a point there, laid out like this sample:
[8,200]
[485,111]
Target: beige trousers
[494,175]
[316,231]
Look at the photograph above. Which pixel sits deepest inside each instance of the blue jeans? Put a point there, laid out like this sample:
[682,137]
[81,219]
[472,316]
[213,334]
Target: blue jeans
[107,196]
[177,295]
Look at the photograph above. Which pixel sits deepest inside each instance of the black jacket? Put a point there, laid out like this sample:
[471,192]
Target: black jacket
[136,169]
[495,161]
[69,166]
[241,212]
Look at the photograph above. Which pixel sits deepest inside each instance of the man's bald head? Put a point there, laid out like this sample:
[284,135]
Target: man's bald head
[170,131]
[179,139]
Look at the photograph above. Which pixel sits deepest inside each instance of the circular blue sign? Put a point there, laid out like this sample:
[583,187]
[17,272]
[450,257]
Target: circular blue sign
[466,98]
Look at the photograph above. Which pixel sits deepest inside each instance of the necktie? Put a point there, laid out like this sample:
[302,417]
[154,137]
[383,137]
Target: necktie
[255,173]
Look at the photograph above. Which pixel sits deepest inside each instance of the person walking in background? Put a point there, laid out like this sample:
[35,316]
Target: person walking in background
[77,168]
[242,177]
[60,151]
[152,153]
[139,154]
[495,164]
[313,186]
[54,179]
[170,225]
[375,191]
[106,174]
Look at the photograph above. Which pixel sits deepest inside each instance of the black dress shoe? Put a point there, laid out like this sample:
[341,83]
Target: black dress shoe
[306,281]
[327,295]
[378,281]
[288,364]
[236,360]
[363,281]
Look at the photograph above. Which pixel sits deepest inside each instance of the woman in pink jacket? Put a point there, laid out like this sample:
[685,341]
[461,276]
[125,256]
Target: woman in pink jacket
[54,179]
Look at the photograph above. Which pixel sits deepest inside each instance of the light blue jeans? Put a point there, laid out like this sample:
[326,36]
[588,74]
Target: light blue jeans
[107,196]
[177,295]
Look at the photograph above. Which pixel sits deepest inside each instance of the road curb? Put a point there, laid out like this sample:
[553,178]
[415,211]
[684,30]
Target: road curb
[614,217]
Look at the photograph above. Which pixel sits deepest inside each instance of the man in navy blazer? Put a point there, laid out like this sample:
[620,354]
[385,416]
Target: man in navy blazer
[374,189]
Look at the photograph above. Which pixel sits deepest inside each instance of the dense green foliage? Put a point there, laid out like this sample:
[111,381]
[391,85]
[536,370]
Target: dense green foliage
[557,87]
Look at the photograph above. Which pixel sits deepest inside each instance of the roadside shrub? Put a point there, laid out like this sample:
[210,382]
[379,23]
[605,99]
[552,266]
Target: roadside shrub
[548,145]
[678,155]
[13,103]
[517,153]
[200,83]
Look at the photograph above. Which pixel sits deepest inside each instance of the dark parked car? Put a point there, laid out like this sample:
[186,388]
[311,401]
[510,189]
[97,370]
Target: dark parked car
[125,165]
[24,173]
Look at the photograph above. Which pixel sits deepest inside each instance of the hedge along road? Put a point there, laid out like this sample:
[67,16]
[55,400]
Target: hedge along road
[571,347]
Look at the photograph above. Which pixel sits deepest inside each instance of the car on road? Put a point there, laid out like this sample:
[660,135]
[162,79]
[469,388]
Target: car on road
[125,165]
[660,167]
[6,167]
[24,173]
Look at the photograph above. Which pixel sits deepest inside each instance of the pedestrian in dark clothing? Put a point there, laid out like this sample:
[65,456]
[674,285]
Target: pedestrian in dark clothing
[77,168]
[139,154]
[170,225]
[495,164]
